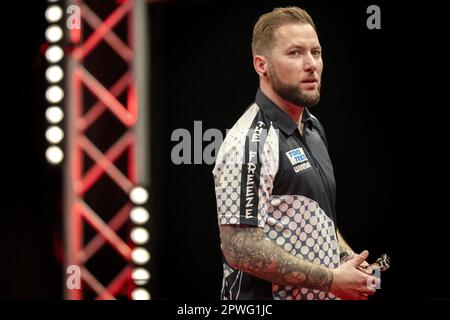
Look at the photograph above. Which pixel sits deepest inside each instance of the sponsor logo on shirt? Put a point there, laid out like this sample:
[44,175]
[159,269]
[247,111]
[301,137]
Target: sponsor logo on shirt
[298,159]
[296,156]
[302,167]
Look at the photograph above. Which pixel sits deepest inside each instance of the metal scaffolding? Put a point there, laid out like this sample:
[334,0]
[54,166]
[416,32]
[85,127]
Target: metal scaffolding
[133,115]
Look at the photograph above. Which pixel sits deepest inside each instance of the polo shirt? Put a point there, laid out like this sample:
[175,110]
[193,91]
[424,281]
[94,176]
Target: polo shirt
[269,175]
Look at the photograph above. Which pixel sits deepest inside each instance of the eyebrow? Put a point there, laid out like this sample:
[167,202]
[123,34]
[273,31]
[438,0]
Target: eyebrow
[303,47]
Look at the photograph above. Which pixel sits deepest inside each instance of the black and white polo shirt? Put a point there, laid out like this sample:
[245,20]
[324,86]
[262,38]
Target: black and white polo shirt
[269,176]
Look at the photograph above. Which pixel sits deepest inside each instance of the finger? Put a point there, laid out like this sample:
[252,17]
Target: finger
[374,266]
[364,264]
[368,289]
[366,271]
[361,296]
[359,258]
[364,297]
[349,295]
[354,296]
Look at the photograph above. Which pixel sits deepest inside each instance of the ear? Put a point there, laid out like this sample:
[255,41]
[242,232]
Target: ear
[260,65]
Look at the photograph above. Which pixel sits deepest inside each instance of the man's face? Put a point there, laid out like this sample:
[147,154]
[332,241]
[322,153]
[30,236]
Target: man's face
[295,64]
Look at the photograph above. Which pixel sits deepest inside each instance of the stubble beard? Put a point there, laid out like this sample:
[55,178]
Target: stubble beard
[293,93]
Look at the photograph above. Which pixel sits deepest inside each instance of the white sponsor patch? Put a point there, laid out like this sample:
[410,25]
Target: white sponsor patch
[302,167]
[296,156]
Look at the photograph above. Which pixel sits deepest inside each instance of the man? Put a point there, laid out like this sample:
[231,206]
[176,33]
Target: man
[274,180]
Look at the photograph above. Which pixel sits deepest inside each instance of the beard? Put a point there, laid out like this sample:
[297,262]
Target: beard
[293,93]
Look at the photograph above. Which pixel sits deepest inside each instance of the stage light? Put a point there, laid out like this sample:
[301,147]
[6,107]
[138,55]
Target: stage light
[54,54]
[53,33]
[139,235]
[139,195]
[54,154]
[140,294]
[54,134]
[140,276]
[54,74]
[54,94]
[53,13]
[140,255]
[139,215]
[54,114]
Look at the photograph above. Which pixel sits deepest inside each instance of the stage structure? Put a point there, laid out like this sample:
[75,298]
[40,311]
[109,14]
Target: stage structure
[93,108]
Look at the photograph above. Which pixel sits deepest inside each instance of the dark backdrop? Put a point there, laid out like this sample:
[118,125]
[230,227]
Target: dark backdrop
[202,71]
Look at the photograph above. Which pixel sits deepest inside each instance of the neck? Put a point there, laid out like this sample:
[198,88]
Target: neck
[293,111]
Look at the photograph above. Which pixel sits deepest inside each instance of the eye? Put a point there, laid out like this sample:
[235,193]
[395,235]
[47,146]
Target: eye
[294,53]
[317,53]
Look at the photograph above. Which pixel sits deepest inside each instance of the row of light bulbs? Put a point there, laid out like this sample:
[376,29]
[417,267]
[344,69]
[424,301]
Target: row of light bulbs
[54,75]
[140,236]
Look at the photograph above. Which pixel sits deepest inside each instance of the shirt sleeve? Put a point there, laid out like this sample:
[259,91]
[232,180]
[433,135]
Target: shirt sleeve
[245,168]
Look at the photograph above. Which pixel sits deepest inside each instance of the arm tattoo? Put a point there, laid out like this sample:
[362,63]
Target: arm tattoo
[345,253]
[245,248]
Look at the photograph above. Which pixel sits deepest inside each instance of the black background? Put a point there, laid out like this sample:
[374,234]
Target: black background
[372,109]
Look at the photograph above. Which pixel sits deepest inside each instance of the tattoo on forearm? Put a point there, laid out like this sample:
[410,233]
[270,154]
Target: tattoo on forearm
[245,248]
[345,253]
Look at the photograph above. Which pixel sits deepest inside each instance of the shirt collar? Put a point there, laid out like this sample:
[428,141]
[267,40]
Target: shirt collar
[277,115]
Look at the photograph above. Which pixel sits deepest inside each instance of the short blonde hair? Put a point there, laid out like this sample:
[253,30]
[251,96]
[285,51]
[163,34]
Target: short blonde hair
[264,31]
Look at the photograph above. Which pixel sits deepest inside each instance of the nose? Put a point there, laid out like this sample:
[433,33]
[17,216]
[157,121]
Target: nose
[310,64]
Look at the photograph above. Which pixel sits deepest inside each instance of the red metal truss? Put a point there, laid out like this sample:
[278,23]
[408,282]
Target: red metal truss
[79,147]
